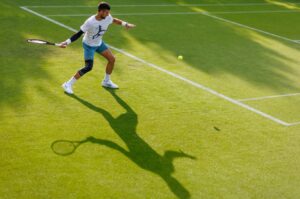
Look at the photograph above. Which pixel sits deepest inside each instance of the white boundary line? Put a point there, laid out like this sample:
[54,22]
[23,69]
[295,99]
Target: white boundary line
[248,27]
[166,5]
[268,97]
[48,19]
[294,123]
[181,13]
[172,74]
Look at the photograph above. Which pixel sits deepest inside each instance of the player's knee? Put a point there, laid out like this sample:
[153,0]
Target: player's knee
[112,59]
[88,67]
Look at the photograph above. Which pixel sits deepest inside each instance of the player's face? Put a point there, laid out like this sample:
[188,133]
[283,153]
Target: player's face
[103,13]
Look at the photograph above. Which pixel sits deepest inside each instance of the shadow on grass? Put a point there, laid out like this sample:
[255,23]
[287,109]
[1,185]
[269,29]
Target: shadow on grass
[140,152]
[19,61]
[22,65]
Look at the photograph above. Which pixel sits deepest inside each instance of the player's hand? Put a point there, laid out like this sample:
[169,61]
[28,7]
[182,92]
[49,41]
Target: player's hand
[63,44]
[129,26]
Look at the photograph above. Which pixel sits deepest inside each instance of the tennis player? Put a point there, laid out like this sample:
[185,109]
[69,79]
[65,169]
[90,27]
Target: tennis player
[93,29]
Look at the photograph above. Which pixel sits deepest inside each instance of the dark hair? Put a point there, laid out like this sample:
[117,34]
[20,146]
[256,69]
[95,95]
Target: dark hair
[103,6]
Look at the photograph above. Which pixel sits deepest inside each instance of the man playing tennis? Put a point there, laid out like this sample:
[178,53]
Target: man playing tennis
[93,30]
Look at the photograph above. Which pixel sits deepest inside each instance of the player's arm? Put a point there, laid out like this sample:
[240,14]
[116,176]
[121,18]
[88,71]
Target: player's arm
[71,39]
[123,23]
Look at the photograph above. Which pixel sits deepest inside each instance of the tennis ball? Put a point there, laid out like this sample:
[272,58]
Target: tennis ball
[180,57]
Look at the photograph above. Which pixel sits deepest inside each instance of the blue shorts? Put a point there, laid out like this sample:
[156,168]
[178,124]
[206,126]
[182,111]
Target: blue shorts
[89,51]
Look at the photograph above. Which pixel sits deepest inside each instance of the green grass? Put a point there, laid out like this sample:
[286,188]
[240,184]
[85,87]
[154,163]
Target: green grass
[157,136]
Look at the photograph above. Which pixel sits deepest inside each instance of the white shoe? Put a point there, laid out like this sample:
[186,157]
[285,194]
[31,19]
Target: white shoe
[109,84]
[67,87]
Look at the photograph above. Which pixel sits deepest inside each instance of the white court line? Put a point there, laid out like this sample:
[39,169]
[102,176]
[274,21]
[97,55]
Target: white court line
[294,123]
[172,74]
[49,19]
[268,97]
[165,5]
[248,27]
[181,13]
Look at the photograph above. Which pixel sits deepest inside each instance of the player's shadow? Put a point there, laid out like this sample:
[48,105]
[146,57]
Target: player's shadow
[139,151]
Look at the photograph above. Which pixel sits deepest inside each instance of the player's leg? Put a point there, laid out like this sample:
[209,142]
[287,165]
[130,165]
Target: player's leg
[107,54]
[110,61]
[89,61]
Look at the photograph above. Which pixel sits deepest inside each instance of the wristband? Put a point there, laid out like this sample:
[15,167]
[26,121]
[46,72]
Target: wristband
[124,23]
[68,41]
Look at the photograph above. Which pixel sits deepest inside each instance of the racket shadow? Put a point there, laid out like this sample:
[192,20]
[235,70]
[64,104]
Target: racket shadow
[139,151]
[66,147]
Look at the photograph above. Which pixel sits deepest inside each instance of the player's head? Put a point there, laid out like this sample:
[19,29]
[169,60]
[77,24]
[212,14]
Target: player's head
[103,9]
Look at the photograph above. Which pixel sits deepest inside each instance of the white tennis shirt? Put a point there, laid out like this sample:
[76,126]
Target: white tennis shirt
[94,30]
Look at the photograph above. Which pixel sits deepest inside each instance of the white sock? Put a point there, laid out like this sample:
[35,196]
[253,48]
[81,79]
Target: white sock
[107,77]
[72,81]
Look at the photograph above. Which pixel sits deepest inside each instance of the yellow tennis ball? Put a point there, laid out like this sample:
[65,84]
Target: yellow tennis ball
[180,57]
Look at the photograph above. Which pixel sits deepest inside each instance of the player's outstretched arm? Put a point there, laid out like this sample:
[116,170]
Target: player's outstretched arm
[123,23]
[76,36]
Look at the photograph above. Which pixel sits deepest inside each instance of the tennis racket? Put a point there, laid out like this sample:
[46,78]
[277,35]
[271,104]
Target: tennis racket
[66,147]
[41,42]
